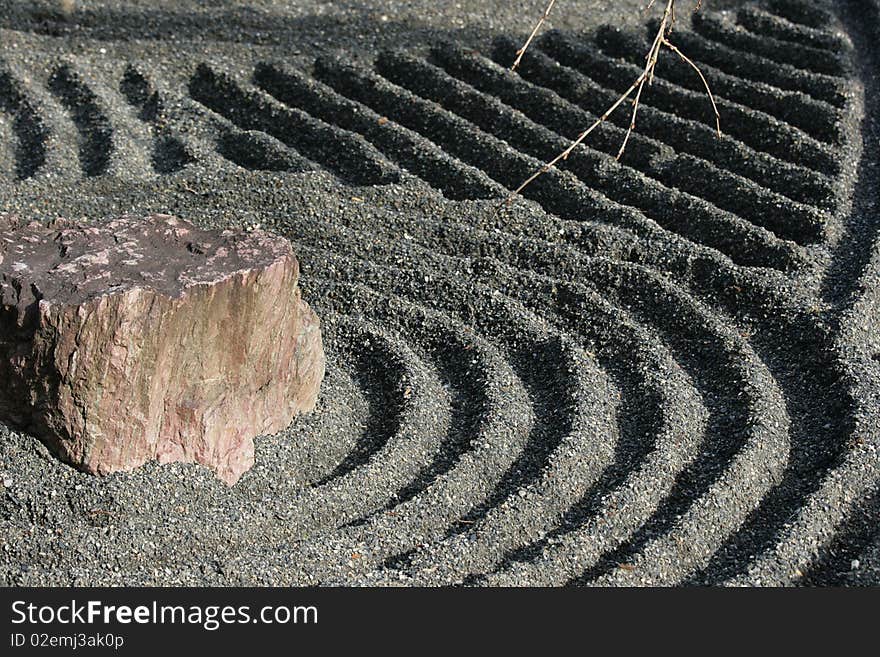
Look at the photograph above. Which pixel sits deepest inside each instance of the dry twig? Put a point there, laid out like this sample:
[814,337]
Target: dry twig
[541,21]
[661,40]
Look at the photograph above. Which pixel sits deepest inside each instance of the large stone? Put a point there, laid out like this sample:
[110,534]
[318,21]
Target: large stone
[148,338]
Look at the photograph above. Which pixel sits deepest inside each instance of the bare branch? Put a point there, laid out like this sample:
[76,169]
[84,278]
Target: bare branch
[577,142]
[687,60]
[661,40]
[651,64]
[541,21]
[632,122]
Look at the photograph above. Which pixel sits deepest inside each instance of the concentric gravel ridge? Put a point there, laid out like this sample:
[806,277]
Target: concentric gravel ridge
[658,369]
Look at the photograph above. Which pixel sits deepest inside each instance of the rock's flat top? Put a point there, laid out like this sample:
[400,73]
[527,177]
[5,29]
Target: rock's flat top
[66,262]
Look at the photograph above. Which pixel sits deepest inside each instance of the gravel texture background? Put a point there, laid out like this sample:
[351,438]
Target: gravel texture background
[663,370]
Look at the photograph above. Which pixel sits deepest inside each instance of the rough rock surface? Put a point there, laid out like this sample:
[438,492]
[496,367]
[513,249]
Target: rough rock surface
[148,338]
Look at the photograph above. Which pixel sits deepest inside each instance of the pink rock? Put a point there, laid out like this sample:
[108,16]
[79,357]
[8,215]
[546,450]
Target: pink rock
[148,338]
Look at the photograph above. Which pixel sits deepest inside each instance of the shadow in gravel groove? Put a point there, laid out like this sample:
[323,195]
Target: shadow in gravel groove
[468,408]
[380,384]
[169,152]
[30,149]
[840,284]
[455,179]
[725,434]
[834,566]
[243,25]
[815,401]
[346,154]
[96,133]
[638,420]
[544,374]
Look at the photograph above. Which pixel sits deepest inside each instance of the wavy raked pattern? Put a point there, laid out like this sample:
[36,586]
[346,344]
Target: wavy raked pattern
[634,419]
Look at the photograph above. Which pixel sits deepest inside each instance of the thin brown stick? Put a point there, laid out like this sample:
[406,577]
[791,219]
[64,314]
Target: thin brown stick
[688,61]
[650,65]
[577,142]
[661,40]
[632,121]
[541,21]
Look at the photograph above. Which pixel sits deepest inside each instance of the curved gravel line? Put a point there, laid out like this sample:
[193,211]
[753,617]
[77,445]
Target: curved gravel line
[660,370]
